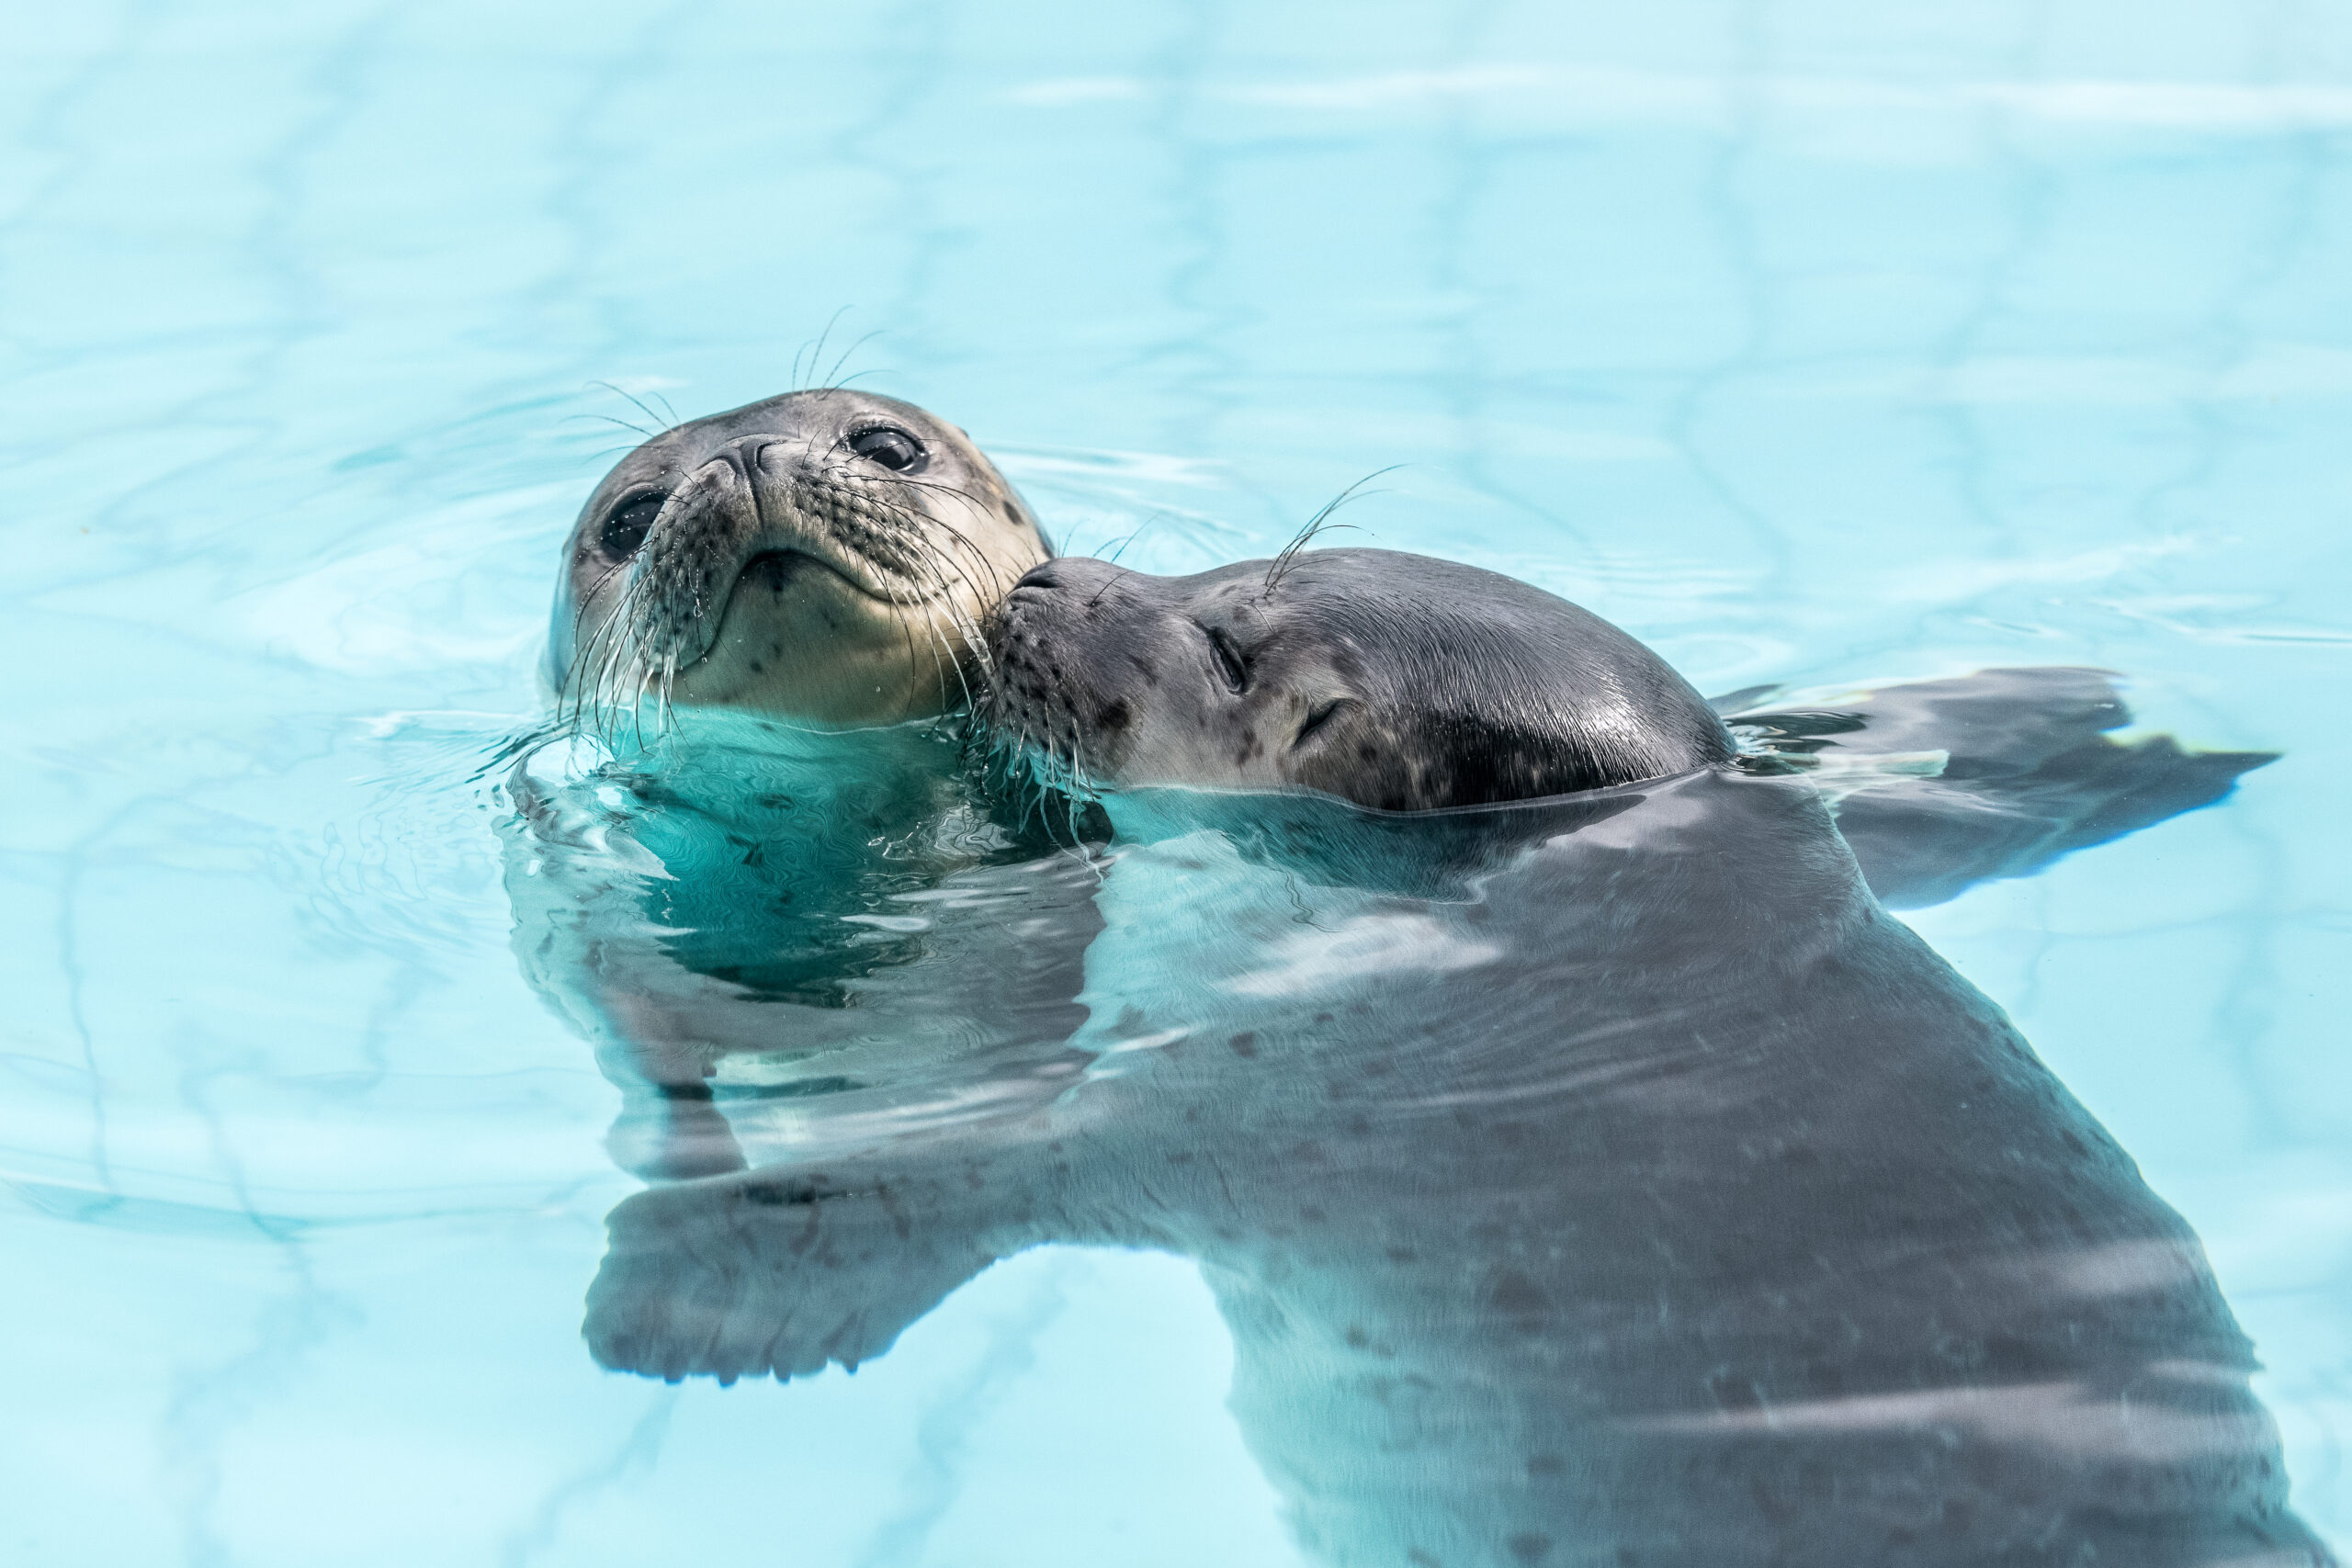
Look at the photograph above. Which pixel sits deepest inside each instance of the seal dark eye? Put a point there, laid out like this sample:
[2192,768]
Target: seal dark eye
[626,529]
[1230,665]
[888,445]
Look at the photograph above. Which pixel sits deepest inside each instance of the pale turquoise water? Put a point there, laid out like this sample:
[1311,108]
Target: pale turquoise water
[1810,342]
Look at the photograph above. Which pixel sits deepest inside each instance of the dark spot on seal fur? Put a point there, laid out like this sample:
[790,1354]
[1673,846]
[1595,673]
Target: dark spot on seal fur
[1113,716]
[1529,1547]
[771,1193]
[1245,1045]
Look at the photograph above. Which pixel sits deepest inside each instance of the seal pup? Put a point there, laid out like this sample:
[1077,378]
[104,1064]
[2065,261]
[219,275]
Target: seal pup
[1406,684]
[1397,682]
[825,556]
[1637,1192]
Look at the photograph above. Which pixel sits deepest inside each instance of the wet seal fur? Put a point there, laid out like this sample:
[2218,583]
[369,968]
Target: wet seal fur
[1398,682]
[1639,1192]
[824,557]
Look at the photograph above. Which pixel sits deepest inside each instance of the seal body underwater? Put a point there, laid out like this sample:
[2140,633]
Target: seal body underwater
[795,588]
[1598,1179]
[823,557]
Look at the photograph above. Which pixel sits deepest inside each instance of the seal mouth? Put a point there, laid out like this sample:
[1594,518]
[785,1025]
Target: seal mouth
[775,568]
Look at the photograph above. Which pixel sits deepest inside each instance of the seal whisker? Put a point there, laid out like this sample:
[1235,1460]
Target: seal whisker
[615,650]
[637,705]
[582,651]
[1315,525]
[627,648]
[640,403]
[832,382]
[611,634]
[964,628]
[996,584]
[816,350]
[610,418]
[906,633]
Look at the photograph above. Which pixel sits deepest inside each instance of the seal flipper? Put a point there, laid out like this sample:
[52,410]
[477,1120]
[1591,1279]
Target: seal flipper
[2030,775]
[771,1271]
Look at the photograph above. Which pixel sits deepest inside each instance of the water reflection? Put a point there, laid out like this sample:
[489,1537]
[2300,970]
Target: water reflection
[1598,1180]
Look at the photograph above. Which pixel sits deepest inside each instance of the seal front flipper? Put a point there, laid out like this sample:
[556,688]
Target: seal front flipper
[773,1270]
[2028,774]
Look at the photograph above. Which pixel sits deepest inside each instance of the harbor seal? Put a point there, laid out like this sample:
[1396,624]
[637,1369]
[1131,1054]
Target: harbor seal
[1397,682]
[1634,1191]
[824,557]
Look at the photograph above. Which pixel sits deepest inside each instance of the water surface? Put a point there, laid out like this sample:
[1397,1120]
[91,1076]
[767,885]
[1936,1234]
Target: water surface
[1811,342]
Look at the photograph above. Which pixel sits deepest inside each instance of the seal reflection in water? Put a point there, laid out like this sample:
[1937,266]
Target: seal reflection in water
[1595,1180]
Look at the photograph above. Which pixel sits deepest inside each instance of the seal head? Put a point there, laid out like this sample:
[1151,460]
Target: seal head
[824,557]
[1398,682]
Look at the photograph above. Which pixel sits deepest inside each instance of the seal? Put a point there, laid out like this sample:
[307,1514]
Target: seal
[1599,1180]
[1406,684]
[1397,682]
[824,557]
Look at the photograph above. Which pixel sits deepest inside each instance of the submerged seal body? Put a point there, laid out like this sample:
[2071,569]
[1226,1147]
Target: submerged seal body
[1625,1187]
[824,557]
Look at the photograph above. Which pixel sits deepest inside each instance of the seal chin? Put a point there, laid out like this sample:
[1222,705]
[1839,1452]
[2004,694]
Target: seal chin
[800,636]
[775,571]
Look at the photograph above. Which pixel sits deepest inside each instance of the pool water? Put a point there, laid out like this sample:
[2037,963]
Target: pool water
[1812,343]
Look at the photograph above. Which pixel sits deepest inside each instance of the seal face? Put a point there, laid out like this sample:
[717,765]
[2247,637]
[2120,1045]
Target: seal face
[824,556]
[1398,682]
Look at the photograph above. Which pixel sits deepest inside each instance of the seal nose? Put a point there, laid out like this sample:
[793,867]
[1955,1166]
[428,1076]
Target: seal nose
[1072,576]
[745,451]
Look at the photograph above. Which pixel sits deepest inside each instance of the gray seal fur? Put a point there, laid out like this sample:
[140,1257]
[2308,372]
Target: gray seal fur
[1398,682]
[1645,1194]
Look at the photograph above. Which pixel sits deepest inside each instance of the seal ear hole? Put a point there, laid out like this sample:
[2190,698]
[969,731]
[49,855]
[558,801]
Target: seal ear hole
[626,529]
[1230,666]
[893,448]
